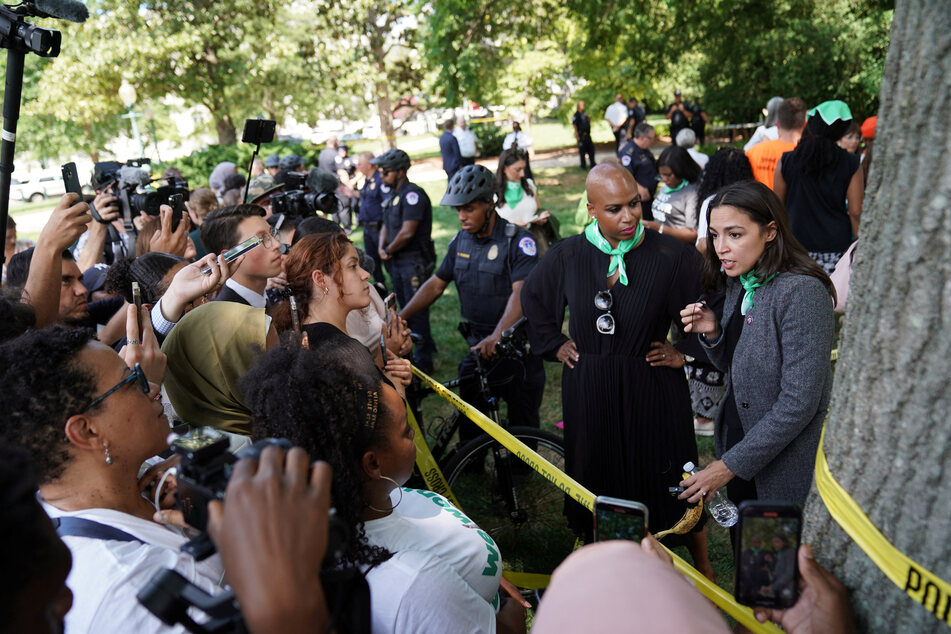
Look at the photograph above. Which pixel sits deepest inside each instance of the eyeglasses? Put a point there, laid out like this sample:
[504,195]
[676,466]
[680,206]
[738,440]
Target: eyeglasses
[269,239]
[138,374]
[605,323]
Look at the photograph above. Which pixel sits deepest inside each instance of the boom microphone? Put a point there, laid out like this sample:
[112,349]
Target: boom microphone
[71,10]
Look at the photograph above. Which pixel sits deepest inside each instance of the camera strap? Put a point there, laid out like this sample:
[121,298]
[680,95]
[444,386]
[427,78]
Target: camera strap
[80,527]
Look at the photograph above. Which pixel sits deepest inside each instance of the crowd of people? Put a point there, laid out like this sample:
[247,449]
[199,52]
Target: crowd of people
[700,304]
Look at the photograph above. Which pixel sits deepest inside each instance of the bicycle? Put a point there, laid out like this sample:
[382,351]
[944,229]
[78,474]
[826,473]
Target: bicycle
[520,509]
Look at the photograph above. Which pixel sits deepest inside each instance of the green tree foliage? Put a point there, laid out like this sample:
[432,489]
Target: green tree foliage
[732,55]
[814,50]
[475,44]
[376,42]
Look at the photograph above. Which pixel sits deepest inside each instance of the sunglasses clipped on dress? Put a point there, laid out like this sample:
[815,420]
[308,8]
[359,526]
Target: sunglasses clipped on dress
[605,323]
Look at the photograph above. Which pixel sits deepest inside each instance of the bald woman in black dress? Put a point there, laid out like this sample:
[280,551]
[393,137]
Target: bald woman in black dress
[628,424]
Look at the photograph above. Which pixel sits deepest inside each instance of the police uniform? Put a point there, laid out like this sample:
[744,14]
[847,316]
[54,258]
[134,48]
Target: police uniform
[371,218]
[414,263]
[643,168]
[484,270]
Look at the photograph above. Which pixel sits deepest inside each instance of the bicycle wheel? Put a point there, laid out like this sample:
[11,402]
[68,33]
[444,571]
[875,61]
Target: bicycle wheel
[526,518]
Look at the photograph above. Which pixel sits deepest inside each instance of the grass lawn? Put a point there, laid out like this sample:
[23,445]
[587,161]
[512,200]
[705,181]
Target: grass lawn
[560,190]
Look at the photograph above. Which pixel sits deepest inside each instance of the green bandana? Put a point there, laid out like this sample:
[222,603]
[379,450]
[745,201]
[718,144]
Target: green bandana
[830,111]
[513,193]
[683,183]
[750,283]
[593,234]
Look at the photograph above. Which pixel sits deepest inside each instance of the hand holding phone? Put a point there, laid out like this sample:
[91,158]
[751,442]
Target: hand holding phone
[389,308]
[236,252]
[615,518]
[767,568]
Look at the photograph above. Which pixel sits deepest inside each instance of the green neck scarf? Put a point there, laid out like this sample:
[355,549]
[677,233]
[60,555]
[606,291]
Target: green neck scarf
[593,234]
[750,283]
[513,193]
[683,183]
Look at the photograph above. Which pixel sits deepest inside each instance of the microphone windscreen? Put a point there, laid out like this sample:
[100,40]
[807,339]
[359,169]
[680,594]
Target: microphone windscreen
[134,176]
[71,10]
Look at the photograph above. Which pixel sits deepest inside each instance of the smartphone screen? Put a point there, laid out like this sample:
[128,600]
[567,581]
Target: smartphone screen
[615,518]
[137,300]
[766,565]
[389,308]
[236,252]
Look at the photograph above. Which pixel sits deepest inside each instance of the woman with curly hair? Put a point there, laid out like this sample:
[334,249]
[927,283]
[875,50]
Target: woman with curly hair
[429,567]
[675,206]
[327,283]
[88,422]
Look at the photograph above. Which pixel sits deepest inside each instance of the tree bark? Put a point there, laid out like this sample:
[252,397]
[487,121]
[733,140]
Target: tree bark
[226,131]
[384,108]
[887,434]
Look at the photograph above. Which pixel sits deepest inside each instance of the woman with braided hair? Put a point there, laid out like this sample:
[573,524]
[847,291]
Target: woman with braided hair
[822,186]
[429,567]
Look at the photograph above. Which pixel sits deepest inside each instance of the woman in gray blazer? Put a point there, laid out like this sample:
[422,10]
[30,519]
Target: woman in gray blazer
[773,343]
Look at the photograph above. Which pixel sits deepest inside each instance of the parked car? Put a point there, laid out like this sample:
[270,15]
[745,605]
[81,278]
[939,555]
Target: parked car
[37,186]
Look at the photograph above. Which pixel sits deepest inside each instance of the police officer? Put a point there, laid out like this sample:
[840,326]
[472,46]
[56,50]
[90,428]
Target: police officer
[637,158]
[489,261]
[405,244]
[372,193]
[288,164]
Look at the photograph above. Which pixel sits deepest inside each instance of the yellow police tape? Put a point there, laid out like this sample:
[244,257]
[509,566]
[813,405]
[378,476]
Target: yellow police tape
[718,595]
[428,467]
[919,583]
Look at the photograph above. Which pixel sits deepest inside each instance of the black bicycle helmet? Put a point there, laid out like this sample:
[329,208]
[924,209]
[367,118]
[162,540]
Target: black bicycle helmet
[472,182]
[395,159]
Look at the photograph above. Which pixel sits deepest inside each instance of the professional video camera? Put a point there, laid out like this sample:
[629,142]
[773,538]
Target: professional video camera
[132,186]
[301,200]
[203,475]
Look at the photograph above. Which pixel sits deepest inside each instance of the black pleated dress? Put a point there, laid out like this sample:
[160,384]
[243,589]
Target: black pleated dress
[628,426]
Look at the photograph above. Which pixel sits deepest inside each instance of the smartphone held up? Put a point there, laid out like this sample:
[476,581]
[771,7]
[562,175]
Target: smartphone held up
[615,518]
[767,569]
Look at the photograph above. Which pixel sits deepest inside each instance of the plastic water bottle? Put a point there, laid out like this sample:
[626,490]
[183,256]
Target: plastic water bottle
[721,508]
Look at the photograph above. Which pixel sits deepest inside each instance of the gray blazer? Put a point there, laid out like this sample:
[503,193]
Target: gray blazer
[782,379]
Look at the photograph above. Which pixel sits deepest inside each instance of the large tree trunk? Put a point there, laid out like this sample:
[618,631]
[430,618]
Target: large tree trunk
[384,108]
[888,434]
[225,127]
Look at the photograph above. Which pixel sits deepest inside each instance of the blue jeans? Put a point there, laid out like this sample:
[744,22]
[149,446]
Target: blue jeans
[408,273]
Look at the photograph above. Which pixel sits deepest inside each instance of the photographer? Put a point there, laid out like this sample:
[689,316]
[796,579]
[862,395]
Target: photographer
[44,284]
[93,246]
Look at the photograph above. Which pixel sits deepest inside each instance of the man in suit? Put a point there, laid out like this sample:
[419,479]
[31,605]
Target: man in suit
[449,149]
[226,227]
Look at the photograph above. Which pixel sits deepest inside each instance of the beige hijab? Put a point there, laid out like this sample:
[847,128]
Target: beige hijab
[209,351]
[616,587]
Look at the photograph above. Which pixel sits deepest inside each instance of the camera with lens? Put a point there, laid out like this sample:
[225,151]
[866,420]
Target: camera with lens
[203,474]
[132,185]
[300,201]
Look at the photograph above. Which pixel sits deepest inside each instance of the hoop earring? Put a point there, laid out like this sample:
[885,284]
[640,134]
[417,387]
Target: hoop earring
[108,457]
[390,510]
